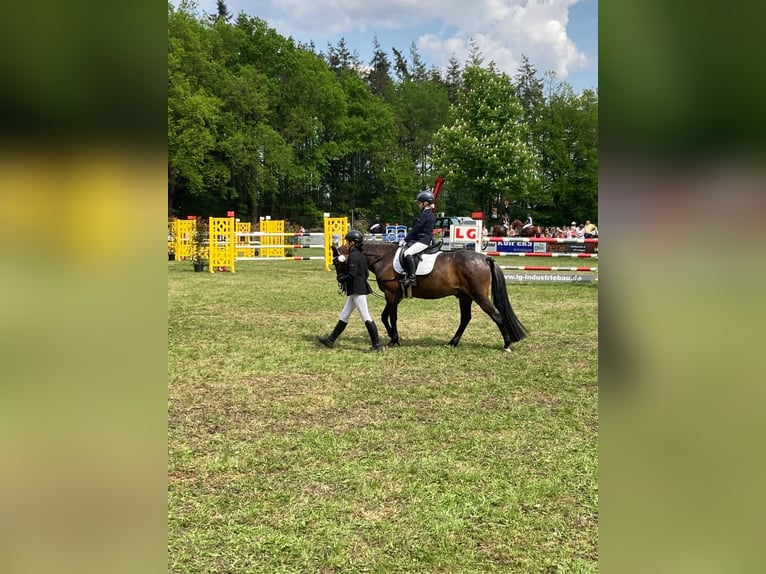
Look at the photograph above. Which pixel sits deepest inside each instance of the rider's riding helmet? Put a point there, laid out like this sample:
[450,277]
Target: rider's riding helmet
[426,196]
[355,235]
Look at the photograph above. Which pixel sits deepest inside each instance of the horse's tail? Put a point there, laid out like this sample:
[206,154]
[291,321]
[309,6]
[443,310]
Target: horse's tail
[500,299]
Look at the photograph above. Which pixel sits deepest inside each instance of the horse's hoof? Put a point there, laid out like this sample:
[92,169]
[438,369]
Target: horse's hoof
[507,349]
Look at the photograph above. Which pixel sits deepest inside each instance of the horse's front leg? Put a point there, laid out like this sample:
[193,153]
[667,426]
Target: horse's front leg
[385,319]
[465,318]
[389,318]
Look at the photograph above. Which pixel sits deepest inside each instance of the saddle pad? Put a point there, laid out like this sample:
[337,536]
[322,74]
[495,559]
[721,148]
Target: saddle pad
[425,266]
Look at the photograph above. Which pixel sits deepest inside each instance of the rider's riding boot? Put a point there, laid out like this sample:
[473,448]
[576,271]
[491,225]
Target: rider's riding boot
[372,329]
[329,340]
[409,268]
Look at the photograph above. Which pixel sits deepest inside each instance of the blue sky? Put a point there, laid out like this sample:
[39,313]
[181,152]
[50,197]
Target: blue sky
[557,35]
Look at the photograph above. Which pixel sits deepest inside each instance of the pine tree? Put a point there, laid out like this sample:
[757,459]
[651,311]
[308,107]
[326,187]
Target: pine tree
[475,57]
[379,77]
[454,78]
[419,71]
[222,12]
[400,65]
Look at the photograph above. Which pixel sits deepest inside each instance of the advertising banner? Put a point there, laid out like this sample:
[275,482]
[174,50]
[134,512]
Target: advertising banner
[572,247]
[524,277]
[395,232]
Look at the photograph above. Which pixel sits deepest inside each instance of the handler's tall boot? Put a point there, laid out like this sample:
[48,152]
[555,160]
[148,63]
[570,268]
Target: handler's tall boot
[372,329]
[409,268]
[329,340]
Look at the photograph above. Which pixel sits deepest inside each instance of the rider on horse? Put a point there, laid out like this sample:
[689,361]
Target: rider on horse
[420,237]
[528,223]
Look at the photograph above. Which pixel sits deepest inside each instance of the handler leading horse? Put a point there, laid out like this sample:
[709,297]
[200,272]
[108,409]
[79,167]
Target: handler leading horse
[465,274]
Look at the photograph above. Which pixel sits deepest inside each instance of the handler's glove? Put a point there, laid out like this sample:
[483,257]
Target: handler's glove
[402,243]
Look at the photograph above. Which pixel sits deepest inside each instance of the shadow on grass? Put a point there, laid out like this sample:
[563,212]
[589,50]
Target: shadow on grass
[355,342]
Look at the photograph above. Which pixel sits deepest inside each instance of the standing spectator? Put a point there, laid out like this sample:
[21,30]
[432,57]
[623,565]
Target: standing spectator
[507,211]
[590,230]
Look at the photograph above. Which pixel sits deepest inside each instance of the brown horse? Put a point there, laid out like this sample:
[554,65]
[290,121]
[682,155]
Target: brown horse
[465,274]
[504,230]
[518,228]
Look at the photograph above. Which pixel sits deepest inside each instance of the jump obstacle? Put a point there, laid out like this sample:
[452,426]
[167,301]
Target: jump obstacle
[230,241]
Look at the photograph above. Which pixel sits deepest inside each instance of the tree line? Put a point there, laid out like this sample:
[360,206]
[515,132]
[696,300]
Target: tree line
[262,125]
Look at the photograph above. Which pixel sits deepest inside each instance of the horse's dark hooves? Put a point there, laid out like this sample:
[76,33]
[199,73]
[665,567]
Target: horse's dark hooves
[394,344]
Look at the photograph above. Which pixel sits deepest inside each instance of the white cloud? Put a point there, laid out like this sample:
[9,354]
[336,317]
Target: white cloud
[506,29]
[502,29]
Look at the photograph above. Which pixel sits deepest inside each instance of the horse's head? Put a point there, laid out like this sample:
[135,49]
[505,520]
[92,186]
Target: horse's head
[340,259]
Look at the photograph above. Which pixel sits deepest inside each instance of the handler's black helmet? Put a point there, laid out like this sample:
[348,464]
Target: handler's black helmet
[425,196]
[355,235]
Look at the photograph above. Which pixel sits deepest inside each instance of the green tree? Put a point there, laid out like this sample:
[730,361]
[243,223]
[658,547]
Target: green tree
[454,79]
[262,126]
[400,65]
[222,12]
[421,109]
[193,110]
[566,133]
[340,58]
[419,71]
[484,154]
[529,90]
[475,57]
[379,76]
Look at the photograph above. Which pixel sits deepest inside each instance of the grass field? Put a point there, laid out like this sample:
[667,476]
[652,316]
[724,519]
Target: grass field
[285,456]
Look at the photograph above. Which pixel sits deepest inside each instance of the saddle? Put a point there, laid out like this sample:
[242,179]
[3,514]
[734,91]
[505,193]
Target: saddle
[424,261]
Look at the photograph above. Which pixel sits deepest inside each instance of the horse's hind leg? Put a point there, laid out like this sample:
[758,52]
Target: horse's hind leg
[487,306]
[465,318]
